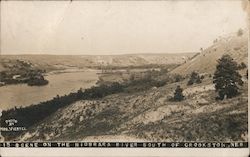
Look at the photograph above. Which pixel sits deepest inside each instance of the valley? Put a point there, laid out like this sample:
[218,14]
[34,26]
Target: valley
[132,97]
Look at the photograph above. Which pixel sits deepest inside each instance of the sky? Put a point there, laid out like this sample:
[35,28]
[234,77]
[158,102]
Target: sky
[116,27]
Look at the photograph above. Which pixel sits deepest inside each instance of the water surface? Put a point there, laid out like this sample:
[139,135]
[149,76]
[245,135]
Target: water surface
[59,84]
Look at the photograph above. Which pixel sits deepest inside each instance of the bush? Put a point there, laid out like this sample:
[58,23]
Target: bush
[178,78]
[190,82]
[178,95]
[195,78]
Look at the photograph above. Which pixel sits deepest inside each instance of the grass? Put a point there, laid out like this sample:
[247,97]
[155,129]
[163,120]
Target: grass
[226,124]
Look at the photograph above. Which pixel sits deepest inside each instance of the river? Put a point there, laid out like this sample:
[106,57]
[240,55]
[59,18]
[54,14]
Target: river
[59,84]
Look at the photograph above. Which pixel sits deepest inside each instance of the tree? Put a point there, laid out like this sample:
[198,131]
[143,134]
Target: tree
[178,95]
[226,78]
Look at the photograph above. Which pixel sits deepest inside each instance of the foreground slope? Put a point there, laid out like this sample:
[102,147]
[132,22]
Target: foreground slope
[149,116]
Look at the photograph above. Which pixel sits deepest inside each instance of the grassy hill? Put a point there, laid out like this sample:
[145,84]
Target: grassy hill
[234,45]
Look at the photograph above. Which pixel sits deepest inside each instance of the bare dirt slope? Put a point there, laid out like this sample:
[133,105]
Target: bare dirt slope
[205,62]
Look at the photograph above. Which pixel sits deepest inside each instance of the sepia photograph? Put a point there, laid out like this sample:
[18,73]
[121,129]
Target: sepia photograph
[124,74]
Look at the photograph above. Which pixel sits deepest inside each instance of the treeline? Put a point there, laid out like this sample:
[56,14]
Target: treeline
[146,66]
[144,83]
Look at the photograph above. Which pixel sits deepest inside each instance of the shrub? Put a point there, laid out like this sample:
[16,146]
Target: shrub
[178,95]
[178,78]
[195,78]
[190,82]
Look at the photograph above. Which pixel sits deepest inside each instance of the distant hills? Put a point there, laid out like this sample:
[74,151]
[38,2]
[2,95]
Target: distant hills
[52,62]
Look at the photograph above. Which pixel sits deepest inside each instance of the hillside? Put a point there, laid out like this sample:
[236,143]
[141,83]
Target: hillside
[149,116]
[205,62]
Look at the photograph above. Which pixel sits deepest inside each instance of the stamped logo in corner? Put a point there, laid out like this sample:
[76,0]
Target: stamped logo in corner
[10,125]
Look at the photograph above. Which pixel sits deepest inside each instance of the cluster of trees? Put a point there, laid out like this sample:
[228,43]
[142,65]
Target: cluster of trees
[32,80]
[109,68]
[226,78]
[35,78]
[103,90]
[23,72]
[37,81]
[144,83]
